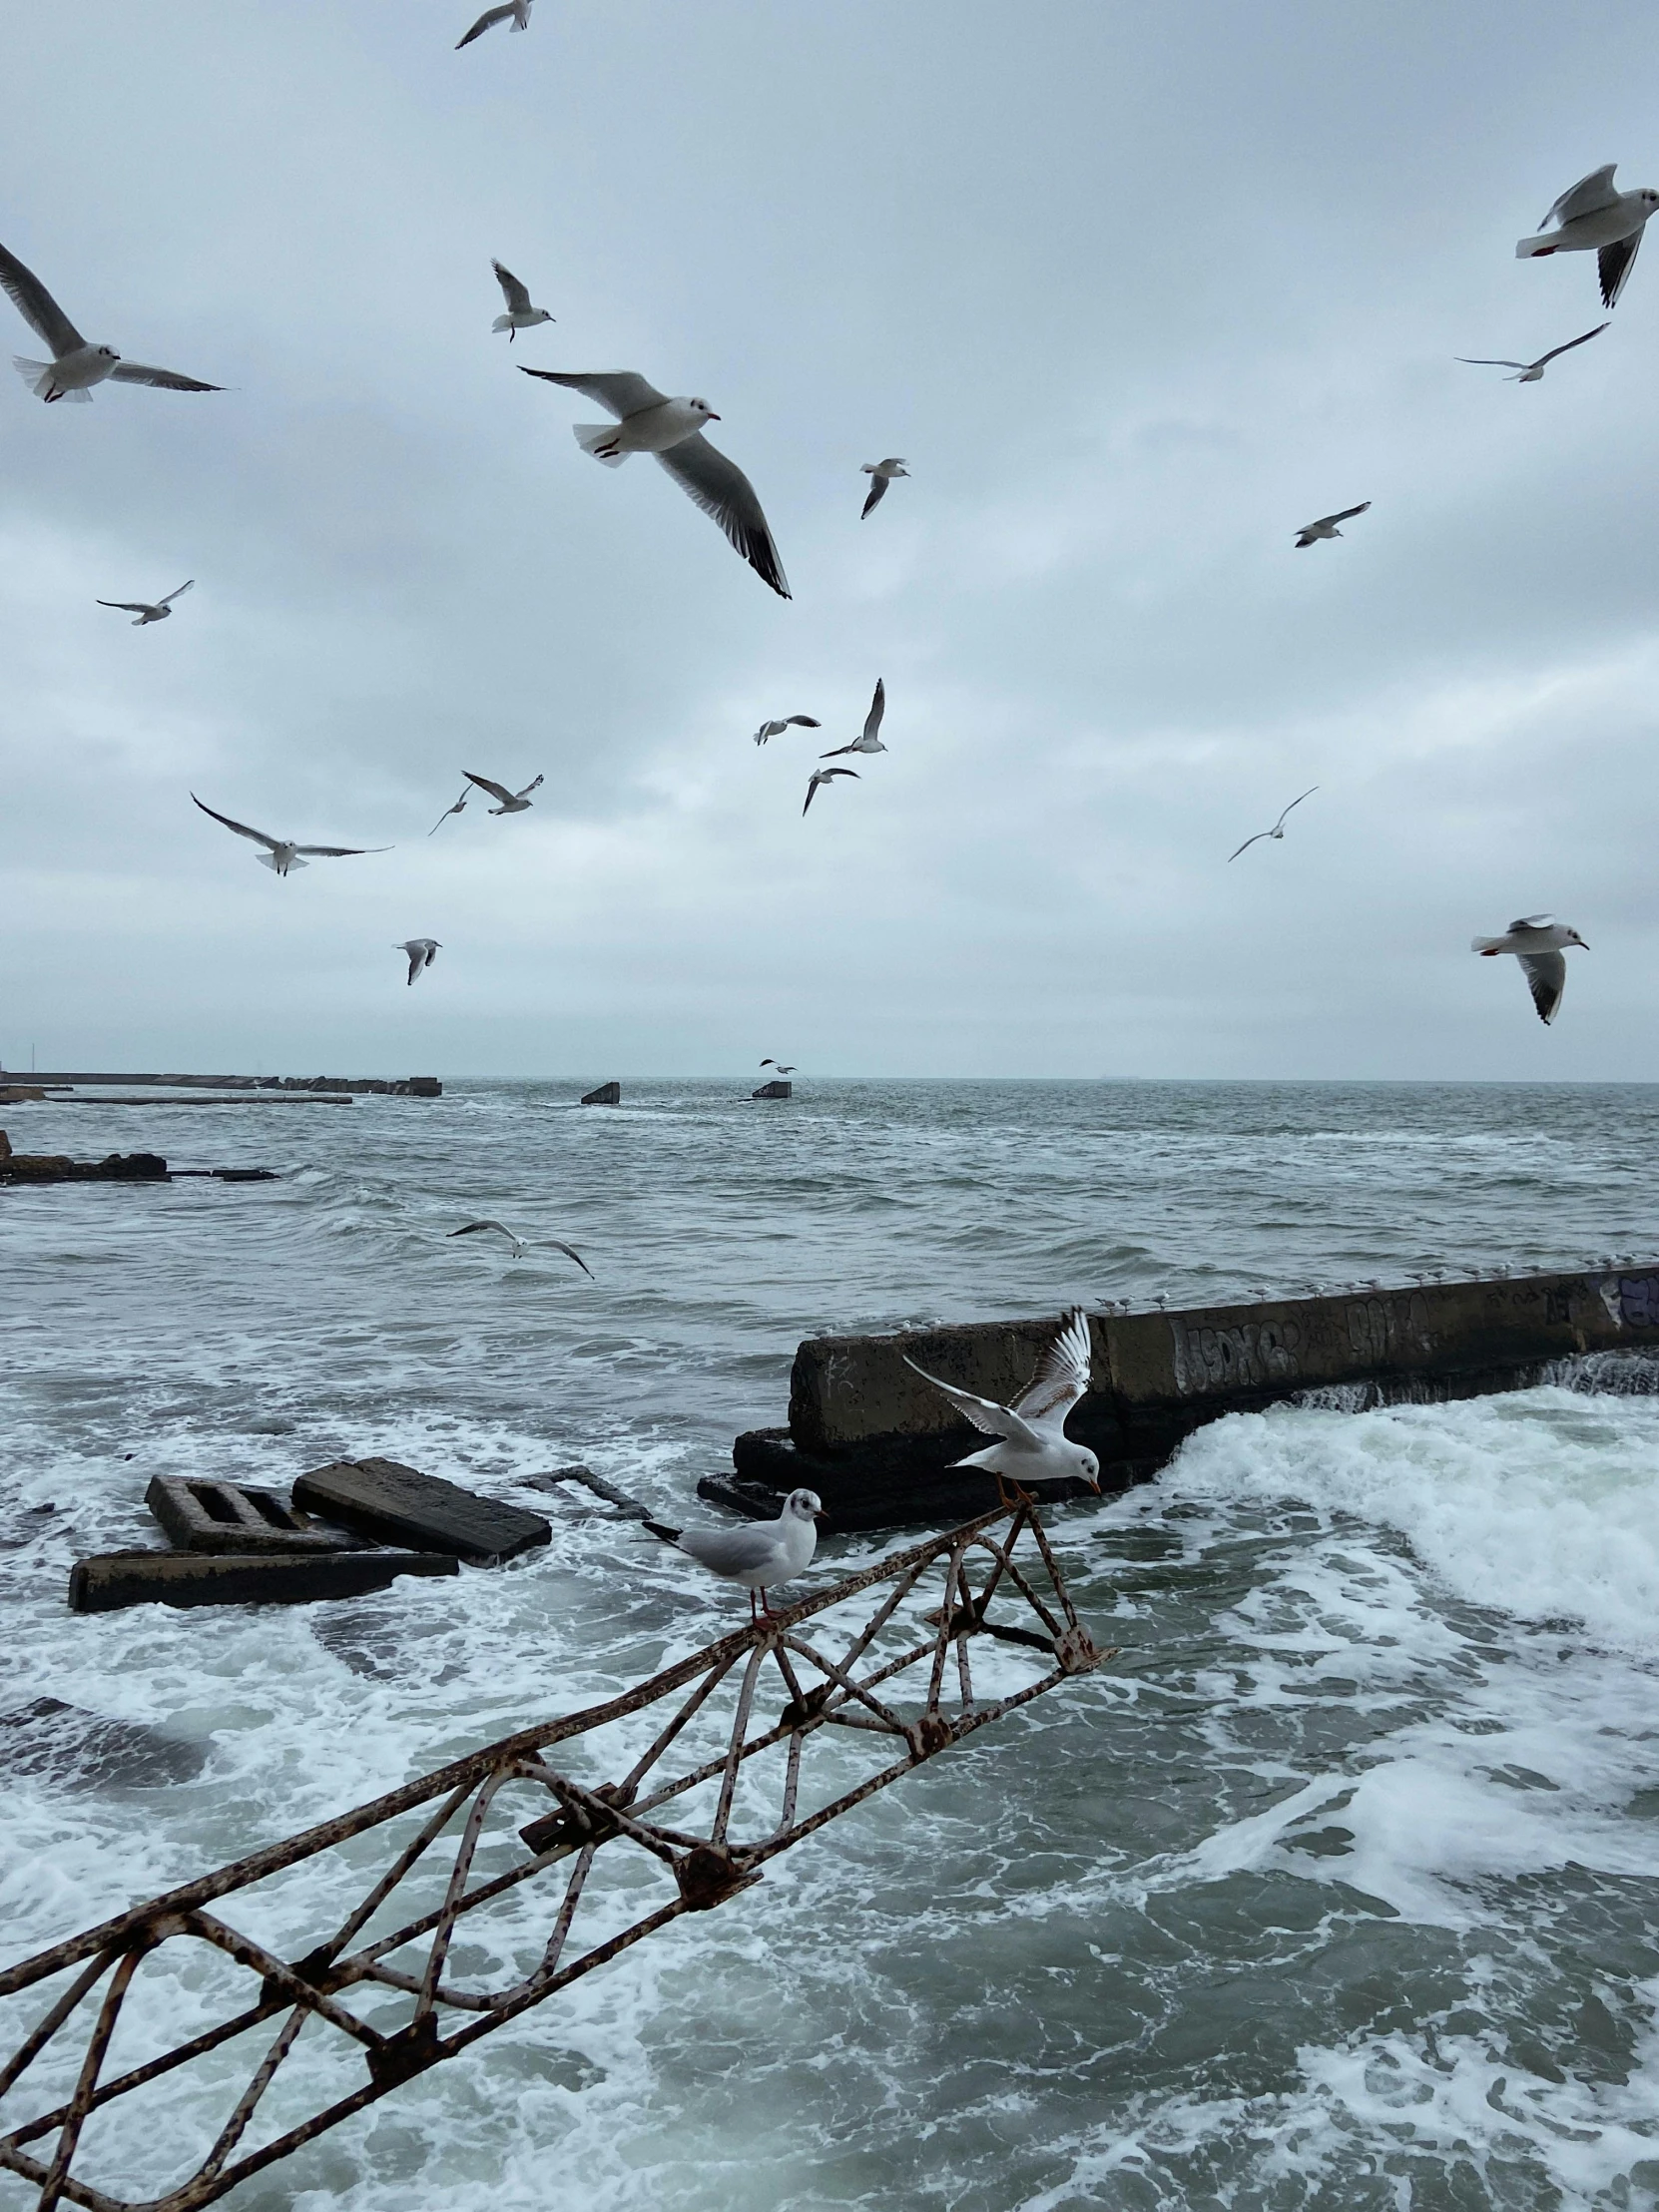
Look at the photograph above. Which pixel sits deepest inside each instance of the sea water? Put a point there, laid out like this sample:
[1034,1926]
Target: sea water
[1336,1887]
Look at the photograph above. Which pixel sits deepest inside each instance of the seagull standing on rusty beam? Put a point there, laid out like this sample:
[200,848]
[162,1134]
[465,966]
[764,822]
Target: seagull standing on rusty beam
[761,1554]
[1032,1444]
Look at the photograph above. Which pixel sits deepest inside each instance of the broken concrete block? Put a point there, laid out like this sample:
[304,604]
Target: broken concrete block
[774,1091]
[118,1579]
[396,1505]
[608,1094]
[203,1515]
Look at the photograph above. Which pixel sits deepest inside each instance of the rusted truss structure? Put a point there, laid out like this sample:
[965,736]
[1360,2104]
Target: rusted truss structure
[716,1765]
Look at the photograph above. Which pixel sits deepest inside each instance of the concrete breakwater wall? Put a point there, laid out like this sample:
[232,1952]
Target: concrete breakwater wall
[876,1443]
[407,1086]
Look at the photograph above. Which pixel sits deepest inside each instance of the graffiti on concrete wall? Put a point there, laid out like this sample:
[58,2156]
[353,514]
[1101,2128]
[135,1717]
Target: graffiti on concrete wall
[1235,1354]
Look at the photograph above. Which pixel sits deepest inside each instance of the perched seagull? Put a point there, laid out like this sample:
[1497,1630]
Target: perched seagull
[789,722]
[648,422]
[826,775]
[517,10]
[422,952]
[1593,218]
[519,1245]
[1536,942]
[75,366]
[282,855]
[1032,1444]
[459,807]
[881,474]
[158,612]
[512,802]
[779,1065]
[520,315]
[869,739]
[1531,372]
[1278,829]
[761,1554]
[1326,527]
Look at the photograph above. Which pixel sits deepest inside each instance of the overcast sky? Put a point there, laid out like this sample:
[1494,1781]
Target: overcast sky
[1136,291]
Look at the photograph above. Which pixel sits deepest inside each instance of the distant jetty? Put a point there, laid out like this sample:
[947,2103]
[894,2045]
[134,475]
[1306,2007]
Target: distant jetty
[407,1086]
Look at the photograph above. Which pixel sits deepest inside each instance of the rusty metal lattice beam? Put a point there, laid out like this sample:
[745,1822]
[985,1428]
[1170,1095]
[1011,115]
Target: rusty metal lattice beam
[714,1746]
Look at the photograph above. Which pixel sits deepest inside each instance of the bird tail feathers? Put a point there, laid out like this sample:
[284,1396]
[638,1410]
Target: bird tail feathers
[1486,945]
[38,375]
[502,323]
[591,435]
[1528,250]
[269,859]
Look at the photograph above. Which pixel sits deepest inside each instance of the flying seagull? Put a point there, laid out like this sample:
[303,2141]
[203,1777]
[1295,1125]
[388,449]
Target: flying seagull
[779,1065]
[1536,942]
[282,855]
[1326,527]
[518,11]
[512,802]
[520,315]
[422,952]
[881,474]
[1593,218]
[760,1554]
[459,807]
[869,739]
[1032,1444]
[75,366]
[648,422]
[1278,829]
[521,1246]
[1531,372]
[788,721]
[146,614]
[826,775]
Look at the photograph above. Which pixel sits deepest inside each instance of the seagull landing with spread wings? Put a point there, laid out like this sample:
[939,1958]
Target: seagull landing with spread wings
[511,802]
[650,422]
[881,474]
[1032,1444]
[1595,218]
[788,721]
[145,613]
[282,855]
[1537,942]
[521,1245]
[779,1065]
[1326,527]
[869,738]
[515,12]
[1278,829]
[1531,372]
[520,315]
[75,366]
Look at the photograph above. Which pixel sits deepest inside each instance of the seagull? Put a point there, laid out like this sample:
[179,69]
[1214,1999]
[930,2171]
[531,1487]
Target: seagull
[826,775]
[146,614]
[881,474]
[282,855]
[1531,372]
[648,422]
[1536,942]
[1278,829]
[519,1245]
[512,802]
[758,1555]
[868,741]
[520,315]
[789,722]
[459,807]
[518,10]
[1593,218]
[422,952]
[779,1065]
[1326,527]
[75,366]
[1032,1444]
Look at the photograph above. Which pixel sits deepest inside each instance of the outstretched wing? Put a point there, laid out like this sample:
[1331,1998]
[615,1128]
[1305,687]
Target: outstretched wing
[516,294]
[1614,264]
[835,751]
[1308,794]
[340,851]
[459,808]
[878,708]
[164,379]
[1531,921]
[811,789]
[878,493]
[570,1252]
[1249,842]
[529,788]
[724,492]
[488,784]
[1063,1374]
[620,389]
[137,607]
[1346,515]
[241,829]
[178,594]
[1475,360]
[1556,352]
[487,22]
[38,307]
[1591,193]
[1546,979]
[984,1414]
[801,722]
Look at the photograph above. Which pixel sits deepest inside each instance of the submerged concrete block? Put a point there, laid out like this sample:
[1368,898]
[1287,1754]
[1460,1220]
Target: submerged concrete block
[774,1091]
[396,1505]
[115,1579]
[228,1517]
[608,1094]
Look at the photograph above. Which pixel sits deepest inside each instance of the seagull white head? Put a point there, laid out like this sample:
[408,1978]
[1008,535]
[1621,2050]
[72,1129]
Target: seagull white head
[701,407]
